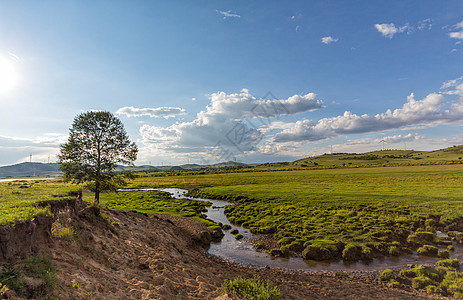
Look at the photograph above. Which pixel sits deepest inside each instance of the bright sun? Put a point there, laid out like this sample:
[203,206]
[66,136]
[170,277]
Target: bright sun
[8,75]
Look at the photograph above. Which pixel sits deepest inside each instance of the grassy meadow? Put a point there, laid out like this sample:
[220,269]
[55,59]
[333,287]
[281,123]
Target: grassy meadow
[17,204]
[321,213]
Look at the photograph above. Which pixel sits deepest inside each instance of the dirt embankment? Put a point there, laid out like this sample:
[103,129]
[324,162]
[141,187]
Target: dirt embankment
[130,255]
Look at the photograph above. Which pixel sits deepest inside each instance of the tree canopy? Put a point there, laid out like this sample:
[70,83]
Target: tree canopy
[97,143]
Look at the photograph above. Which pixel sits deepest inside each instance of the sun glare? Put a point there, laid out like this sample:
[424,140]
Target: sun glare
[8,75]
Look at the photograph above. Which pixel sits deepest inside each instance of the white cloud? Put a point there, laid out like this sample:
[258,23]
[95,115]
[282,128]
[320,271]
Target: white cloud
[456,35]
[164,112]
[228,14]
[328,40]
[427,111]
[227,117]
[389,30]
[394,139]
[453,87]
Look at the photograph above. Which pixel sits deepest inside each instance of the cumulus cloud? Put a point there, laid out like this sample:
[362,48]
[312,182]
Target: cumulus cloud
[389,30]
[237,120]
[164,112]
[228,14]
[428,111]
[329,39]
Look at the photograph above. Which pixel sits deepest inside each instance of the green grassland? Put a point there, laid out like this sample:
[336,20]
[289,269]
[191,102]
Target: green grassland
[154,202]
[17,204]
[368,211]
[385,157]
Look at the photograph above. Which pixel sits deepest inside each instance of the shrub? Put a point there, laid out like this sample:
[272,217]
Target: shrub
[432,289]
[420,237]
[443,254]
[409,273]
[286,240]
[427,250]
[258,246]
[449,263]
[275,252]
[351,252]
[234,231]
[284,251]
[394,251]
[453,283]
[254,288]
[421,282]
[321,250]
[239,236]
[387,275]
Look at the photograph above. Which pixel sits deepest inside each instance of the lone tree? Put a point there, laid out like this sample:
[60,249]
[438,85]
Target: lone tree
[97,143]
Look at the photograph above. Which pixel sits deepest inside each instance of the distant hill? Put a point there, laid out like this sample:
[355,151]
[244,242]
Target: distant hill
[384,157]
[27,169]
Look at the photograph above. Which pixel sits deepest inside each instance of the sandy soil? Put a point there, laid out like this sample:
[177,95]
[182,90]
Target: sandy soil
[145,256]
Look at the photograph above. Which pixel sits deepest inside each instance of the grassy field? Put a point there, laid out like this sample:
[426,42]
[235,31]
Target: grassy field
[17,204]
[368,211]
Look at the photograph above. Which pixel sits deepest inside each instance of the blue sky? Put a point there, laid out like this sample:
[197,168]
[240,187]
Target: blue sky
[251,81]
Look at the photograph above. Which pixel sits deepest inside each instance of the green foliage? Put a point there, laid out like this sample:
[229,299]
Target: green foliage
[238,236]
[394,251]
[97,143]
[421,282]
[234,231]
[443,254]
[21,204]
[341,274]
[253,288]
[13,277]
[62,231]
[387,275]
[153,201]
[449,263]
[453,283]
[427,250]
[351,252]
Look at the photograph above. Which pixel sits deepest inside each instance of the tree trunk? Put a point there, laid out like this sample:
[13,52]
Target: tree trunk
[97,192]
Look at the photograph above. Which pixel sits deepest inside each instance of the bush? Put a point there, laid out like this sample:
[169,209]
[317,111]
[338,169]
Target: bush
[387,275]
[421,237]
[234,231]
[351,253]
[443,254]
[427,250]
[284,251]
[321,250]
[275,252]
[421,282]
[453,283]
[239,236]
[432,289]
[394,251]
[449,263]
[254,288]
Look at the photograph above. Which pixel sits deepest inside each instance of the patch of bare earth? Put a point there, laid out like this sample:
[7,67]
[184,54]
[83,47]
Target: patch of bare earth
[144,256]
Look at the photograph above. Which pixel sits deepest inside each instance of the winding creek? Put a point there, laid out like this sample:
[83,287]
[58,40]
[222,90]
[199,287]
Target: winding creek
[242,251]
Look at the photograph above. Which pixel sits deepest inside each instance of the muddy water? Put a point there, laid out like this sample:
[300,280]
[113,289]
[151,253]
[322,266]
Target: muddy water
[242,251]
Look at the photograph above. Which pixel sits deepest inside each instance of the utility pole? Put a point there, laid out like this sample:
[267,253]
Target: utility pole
[30,157]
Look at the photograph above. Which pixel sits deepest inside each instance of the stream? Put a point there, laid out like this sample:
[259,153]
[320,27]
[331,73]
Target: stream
[242,251]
